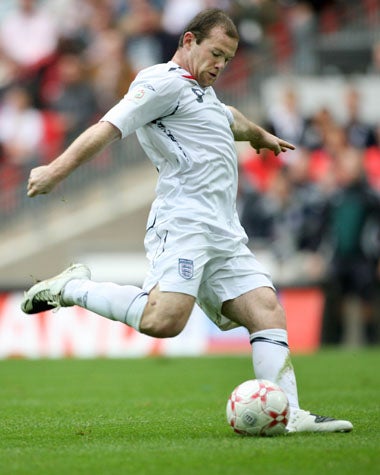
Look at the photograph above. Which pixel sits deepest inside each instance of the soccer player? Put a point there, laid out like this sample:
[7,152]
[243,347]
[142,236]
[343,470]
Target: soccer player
[194,241]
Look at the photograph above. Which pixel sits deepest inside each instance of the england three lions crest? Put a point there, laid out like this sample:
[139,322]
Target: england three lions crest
[186,268]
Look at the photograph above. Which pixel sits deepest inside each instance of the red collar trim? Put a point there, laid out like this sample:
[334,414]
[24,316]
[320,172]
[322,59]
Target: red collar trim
[188,76]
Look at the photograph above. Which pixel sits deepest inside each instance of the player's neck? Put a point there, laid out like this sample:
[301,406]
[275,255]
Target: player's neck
[179,59]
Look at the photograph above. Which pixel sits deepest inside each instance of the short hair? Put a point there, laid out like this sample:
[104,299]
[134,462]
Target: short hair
[205,21]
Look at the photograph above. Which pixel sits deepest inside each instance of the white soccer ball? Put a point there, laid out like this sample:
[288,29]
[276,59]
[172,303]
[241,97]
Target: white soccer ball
[258,407]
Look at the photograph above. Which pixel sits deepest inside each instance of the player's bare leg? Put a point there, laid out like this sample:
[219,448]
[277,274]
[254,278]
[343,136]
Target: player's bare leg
[166,313]
[261,313]
[159,314]
[256,310]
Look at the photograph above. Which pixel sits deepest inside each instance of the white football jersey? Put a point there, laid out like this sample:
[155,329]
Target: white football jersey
[185,131]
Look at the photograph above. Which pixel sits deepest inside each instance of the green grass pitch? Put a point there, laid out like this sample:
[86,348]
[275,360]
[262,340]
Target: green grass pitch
[167,416]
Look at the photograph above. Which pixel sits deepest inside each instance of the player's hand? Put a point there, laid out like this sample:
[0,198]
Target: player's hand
[40,181]
[271,142]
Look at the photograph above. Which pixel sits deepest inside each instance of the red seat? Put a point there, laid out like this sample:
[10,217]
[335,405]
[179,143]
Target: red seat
[53,136]
[260,169]
[372,166]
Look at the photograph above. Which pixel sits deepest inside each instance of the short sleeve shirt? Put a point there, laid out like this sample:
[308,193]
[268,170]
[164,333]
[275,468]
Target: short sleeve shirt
[186,132]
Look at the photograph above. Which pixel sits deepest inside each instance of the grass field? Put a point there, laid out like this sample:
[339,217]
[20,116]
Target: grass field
[167,416]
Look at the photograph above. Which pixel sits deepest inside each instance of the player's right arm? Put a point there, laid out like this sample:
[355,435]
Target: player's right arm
[148,98]
[92,141]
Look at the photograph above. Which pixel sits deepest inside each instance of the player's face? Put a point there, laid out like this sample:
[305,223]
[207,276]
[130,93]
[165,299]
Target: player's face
[207,60]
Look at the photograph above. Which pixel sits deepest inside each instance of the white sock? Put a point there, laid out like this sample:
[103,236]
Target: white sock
[124,303]
[271,360]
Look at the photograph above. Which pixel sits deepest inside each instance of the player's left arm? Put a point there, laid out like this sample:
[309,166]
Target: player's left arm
[245,130]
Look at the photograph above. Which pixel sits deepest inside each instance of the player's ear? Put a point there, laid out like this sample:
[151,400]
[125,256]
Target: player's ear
[188,38]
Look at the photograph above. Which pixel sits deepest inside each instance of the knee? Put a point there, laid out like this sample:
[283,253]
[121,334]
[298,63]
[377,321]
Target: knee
[276,309]
[166,313]
[269,313]
[162,326]
[276,317]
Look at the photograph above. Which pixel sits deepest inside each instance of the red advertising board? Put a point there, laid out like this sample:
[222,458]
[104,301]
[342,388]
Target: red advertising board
[75,332]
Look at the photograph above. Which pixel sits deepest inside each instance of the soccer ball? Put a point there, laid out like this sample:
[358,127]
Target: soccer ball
[258,407]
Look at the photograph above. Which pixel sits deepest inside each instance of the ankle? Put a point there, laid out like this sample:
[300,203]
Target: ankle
[69,294]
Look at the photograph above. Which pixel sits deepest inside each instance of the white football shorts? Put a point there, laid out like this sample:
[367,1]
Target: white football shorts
[213,271]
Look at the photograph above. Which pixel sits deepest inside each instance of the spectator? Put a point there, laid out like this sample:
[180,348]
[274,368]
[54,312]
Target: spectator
[359,133]
[303,32]
[287,219]
[21,135]
[374,67]
[101,16]
[72,15]
[312,198]
[21,129]
[111,73]
[34,38]
[286,119]
[353,232]
[141,26]
[74,98]
[325,139]
[317,127]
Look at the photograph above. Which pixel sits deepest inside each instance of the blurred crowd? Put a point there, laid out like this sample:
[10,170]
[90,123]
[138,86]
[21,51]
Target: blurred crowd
[63,63]
[314,214]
